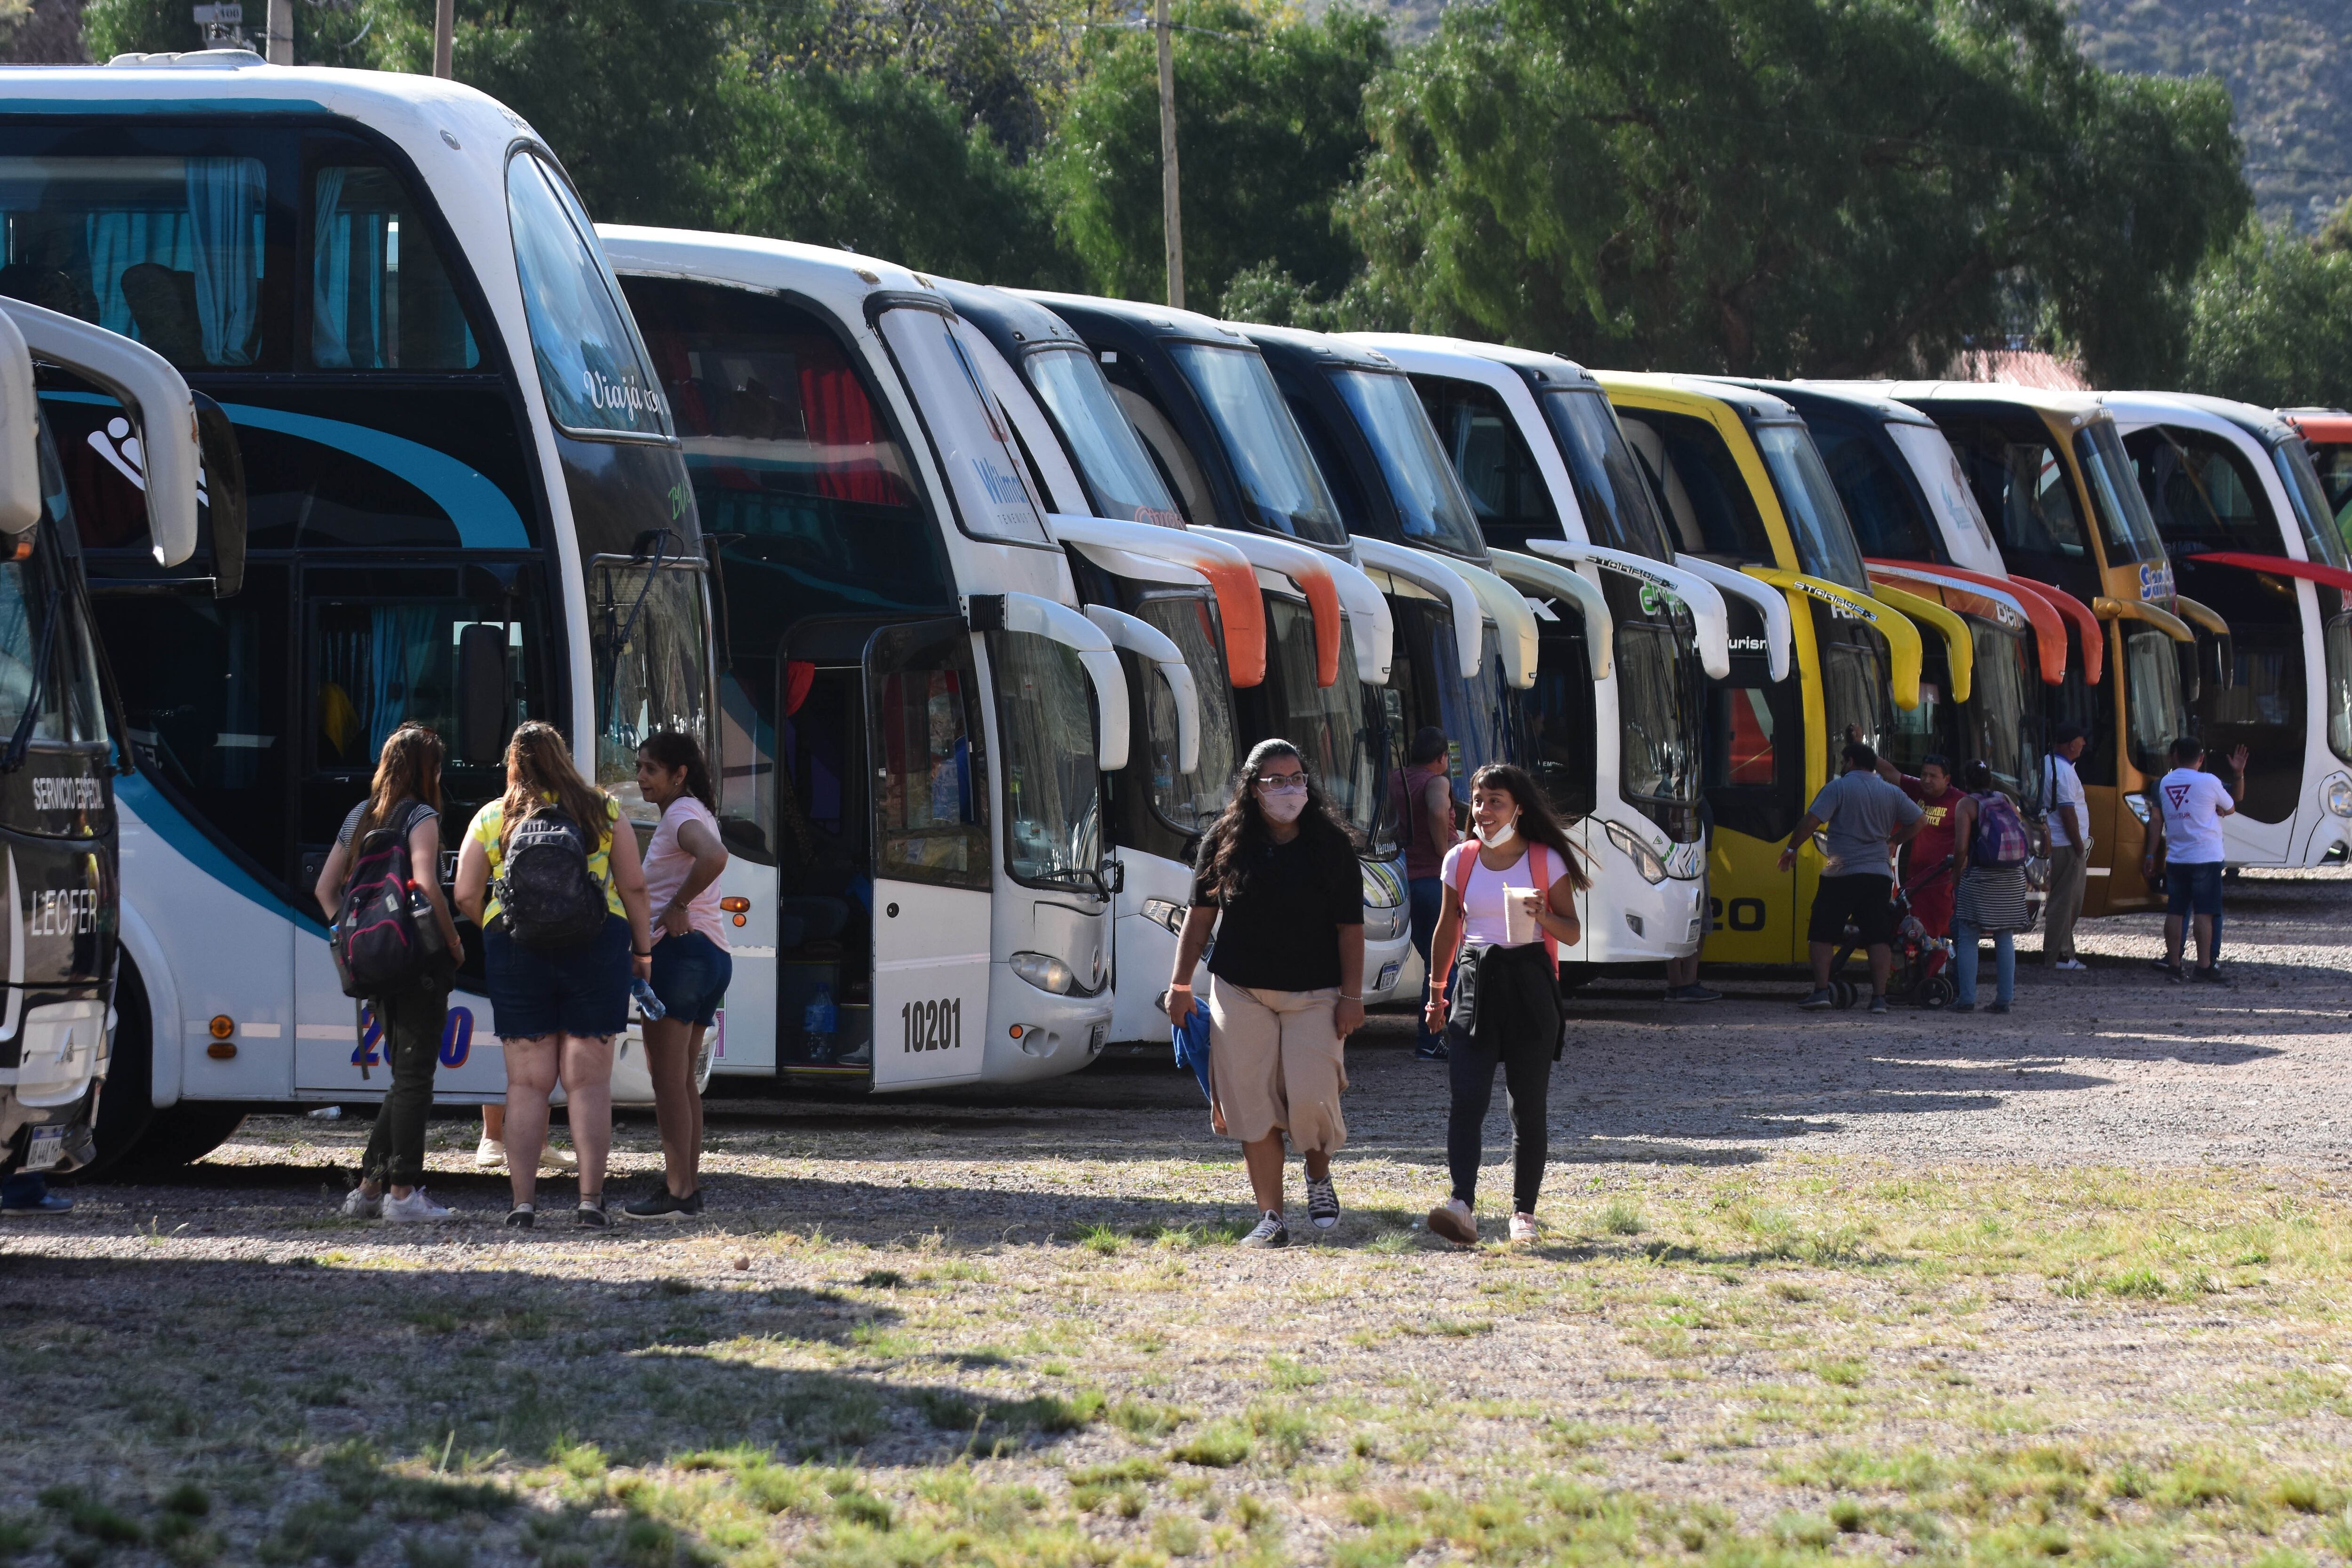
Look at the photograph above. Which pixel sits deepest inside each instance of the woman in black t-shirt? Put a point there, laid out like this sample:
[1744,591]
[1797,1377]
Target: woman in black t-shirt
[1287,977]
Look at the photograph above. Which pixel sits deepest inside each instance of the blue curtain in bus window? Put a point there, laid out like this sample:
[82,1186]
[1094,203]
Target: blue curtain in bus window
[331,276]
[224,206]
[121,240]
[404,639]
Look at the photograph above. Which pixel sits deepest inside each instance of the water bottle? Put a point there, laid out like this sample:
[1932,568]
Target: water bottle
[651,1005]
[819,1019]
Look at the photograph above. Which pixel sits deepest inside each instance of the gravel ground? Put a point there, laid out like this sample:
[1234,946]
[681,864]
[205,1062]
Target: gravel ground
[2081,1264]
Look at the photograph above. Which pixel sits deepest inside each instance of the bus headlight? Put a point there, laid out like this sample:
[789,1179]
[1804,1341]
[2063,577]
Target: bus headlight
[1645,859]
[1383,888]
[2335,792]
[1044,971]
[1160,912]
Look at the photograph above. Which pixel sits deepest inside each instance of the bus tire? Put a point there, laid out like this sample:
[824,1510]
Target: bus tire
[179,1136]
[126,1106]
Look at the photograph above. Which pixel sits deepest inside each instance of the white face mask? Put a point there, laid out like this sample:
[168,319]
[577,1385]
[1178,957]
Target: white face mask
[1283,807]
[1496,837]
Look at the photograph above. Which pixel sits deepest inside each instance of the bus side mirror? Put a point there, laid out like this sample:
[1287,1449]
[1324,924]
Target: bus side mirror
[482,690]
[221,488]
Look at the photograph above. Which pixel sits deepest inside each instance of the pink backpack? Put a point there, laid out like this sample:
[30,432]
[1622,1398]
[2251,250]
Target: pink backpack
[1538,856]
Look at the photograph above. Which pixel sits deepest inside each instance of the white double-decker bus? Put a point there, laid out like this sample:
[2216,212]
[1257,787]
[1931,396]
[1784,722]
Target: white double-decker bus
[466,508]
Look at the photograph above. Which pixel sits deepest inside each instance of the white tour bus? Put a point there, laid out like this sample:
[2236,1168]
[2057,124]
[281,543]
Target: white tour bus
[918,714]
[1232,466]
[466,507]
[1614,722]
[1243,627]
[64,736]
[2246,523]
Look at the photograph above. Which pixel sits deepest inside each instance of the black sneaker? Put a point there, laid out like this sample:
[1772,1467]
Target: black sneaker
[1432,1053]
[1877,1004]
[2174,972]
[661,1203]
[1270,1232]
[1961,1007]
[1693,993]
[1815,1001]
[2211,977]
[2165,964]
[1998,1007]
[522,1216]
[591,1214]
[1322,1203]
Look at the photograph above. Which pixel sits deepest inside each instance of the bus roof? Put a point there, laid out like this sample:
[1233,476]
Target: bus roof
[1147,320]
[2075,407]
[1751,402]
[1319,345]
[2170,407]
[1533,365]
[838,280]
[1863,395]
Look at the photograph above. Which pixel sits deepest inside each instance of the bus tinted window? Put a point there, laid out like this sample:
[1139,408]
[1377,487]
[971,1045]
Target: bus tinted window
[1809,501]
[970,437]
[380,296]
[2124,522]
[2022,488]
[1189,801]
[1430,502]
[2201,493]
[1484,444]
[1886,519]
[1618,511]
[1708,506]
[169,250]
[1117,472]
[589,366]
[1280,481]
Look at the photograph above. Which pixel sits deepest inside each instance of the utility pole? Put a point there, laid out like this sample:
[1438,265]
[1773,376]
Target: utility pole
[445,38]
[1171,206]
[279,43]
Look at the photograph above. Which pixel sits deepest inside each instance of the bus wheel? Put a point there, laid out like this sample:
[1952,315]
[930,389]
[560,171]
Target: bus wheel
[126,1106]
[180,1136]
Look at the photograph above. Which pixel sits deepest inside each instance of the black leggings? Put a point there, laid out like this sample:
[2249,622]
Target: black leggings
[1526,1081]
[413,1021]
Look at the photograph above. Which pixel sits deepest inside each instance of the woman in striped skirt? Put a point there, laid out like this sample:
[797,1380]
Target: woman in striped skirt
[1989,901]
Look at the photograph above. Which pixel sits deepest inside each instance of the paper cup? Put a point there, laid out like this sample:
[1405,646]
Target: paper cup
[1518,924]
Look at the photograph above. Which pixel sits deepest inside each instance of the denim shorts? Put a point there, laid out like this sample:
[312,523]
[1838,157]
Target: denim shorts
[582,992]
[2192,887]
[690,977]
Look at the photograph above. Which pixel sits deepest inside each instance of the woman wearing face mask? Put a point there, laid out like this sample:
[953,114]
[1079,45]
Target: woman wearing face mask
[1287,977]
[1510,901]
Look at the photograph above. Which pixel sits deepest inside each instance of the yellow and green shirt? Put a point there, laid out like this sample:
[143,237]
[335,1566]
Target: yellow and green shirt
[490,820]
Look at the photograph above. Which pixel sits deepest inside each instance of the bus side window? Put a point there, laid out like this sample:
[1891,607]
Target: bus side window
[931,776]
[381,297]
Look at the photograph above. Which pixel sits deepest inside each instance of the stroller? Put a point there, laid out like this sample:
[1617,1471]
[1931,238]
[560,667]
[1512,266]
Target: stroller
[1922,975]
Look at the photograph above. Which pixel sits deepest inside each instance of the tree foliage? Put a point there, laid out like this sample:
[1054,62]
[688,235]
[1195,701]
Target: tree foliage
[1789,187]
[1269,125]
[2271,319]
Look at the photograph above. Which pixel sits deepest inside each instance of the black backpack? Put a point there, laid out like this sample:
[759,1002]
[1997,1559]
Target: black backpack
[385,937]
[550,901]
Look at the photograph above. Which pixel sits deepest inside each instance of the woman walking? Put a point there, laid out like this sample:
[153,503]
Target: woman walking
[1287,980]
[405,798]
[691,966]
[559,970]
[1510,901]
[1991,897]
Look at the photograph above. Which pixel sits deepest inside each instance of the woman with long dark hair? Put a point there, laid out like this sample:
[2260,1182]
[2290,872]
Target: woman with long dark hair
[1510,903]
[1279,869]
[557,1012]
[691,966]
[407,798]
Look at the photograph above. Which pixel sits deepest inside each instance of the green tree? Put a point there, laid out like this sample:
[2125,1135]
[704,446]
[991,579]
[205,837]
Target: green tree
[2270,318]
[1269,124]
[1786,186]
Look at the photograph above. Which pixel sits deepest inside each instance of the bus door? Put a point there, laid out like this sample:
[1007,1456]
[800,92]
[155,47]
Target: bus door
[451,645]
[1755,773]
[931,891]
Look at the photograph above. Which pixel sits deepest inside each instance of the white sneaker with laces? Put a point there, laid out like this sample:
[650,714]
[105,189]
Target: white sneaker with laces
[1523,1227]
[413,1209]
[2072,966]
[1270,1232]
[1453,1220]
[1322,1203]
[490,1154]
[357,1204]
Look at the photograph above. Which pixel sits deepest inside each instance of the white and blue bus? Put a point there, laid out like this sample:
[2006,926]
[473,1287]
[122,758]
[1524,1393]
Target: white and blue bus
[467,507]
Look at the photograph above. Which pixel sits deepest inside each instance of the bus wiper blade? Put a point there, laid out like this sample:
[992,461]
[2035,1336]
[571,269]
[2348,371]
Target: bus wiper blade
[22,739]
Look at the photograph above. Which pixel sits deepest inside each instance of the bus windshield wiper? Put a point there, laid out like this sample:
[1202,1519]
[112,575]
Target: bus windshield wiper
[22,739]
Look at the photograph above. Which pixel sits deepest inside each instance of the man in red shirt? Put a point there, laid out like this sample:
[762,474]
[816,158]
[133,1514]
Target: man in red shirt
[1933,843]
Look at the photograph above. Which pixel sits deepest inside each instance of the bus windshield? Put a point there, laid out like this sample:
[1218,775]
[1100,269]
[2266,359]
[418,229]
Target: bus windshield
[1659,753]
[1817,525]
[1856,692]
[46,660]
[1430,502]
[2124,519]
[2008,733]
[591,365]
[1938,469]
[968,430]
[2338,646]
[649,647]
[1470,711]
[1053,794]
[1120,481]
[1331,725]
[1189,802]
[1618,511]
[2321,538]
[1280,483]
[2152,688]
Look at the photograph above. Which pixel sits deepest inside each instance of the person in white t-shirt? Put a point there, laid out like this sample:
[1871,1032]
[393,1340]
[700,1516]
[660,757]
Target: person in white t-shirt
[2186,834]
[691,965]
[2069,847]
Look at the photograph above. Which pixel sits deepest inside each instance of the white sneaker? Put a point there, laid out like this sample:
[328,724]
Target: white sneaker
[1453,1220]
[490,1154]
[357,1204]
[413,1209]
[554,1160]
[2072,966]
[1523,1227]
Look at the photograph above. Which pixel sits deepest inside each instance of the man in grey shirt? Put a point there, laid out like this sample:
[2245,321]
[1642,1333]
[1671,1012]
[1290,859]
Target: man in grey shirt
[1866,817]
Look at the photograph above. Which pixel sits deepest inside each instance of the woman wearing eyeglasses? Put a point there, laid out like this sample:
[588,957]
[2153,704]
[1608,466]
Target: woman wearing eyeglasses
[1286,980]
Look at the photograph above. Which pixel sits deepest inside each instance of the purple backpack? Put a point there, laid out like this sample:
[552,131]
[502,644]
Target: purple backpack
[1999,838]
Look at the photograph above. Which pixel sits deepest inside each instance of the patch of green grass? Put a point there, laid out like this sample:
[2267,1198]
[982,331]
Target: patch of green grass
[1460,1328]
[87,1513]
[2140,1283]
[1623,1217]
[1142,1418]
[1840,1371]
[1220,1444]
[1285,1375]
[882,1280]
[1285,1430]
[1103,1240]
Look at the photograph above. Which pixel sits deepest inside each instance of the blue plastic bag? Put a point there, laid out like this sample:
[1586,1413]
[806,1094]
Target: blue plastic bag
[1191,1042]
